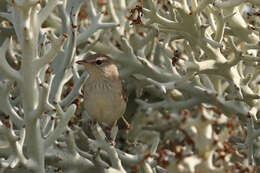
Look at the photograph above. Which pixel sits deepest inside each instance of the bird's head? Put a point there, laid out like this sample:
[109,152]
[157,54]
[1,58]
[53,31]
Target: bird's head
[99,65]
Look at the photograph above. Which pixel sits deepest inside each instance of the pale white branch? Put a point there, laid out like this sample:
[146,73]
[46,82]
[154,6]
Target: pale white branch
[51,54]
[4,65]
[46,11]
[62,124]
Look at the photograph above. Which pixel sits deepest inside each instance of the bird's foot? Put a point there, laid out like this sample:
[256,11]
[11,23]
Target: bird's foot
[111,133]
[110,140]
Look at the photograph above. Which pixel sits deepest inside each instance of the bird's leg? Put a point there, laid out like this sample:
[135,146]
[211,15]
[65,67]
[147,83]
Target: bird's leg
[113,125]
[111,133]
[128,126]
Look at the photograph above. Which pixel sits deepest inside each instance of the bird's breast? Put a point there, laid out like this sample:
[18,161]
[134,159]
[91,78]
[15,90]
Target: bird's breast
[103,101]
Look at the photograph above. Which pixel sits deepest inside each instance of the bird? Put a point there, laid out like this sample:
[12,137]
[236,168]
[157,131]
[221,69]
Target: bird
[105,97]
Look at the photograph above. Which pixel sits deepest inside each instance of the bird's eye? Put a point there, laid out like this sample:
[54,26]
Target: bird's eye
[98,62]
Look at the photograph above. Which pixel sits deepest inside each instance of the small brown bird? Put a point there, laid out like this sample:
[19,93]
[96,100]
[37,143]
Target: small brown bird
[105,98]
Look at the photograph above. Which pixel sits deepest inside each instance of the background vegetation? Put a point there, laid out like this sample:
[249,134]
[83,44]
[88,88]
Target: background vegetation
[191,68]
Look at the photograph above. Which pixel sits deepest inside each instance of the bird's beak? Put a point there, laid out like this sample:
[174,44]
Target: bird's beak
[82,62]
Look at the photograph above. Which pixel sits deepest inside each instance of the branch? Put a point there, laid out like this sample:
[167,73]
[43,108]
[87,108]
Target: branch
[51,54]
[75,90]
[7,16]
[65,117]
[95,25]
[4,65]
[155,17]
[110,149]
[228,4]
[46,11]
[6,107]
[44,91]
[16,147]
